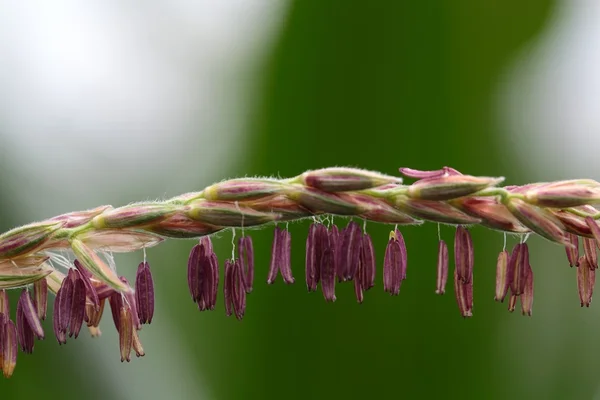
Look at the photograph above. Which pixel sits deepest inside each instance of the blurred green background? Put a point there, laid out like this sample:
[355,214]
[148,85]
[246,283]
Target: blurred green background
[377,85]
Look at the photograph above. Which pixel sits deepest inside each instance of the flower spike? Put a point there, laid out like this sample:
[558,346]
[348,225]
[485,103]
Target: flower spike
[563,212]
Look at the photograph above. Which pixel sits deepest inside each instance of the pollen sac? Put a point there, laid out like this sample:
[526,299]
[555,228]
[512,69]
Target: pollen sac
[116,303]
[125,333]
[311,259]
[463,254]
[137,345]
[203,272]
[246,256]
[78,308]
[228,288]
[520,268]
[144,293]
[358,290]
[281,257]
[442,268]
[464,295]
[29,312]
[318,241]
[40,298]
[512,302]
[527,295]
[234,289]
[594,228]
[130,301]
[4,303]
[350,251]
[586,279]
[93,314]
[62,310]
[394,264]
[367,263]
[327,268]
[239,290]
[90,290]
[24,331]
[9,347]
[589,249]
[503,276]
[286,258]
[573,250]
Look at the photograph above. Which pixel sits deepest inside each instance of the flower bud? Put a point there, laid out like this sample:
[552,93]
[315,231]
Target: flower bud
[93,263]
[437,211]
[346,179]
[564,194]
[134,215]
[450,187]
[78,218]
[538,220]
[228,214]
[491,213]
[26,239]
[319,202]
[378,210]
[242,189]
[180,226]
[119,241]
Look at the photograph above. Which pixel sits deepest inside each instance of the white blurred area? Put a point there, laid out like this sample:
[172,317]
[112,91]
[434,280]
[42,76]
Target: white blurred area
[126,101]
[109,96]
[551,100]
[550,121]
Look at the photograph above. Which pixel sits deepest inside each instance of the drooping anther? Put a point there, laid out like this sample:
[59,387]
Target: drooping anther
[442,268]
[394,264]
[586,280]
[281,256]
[203,275]
[144,293]
[246,256]
[463,254]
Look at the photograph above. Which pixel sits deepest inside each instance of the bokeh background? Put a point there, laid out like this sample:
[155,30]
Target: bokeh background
[109,102]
